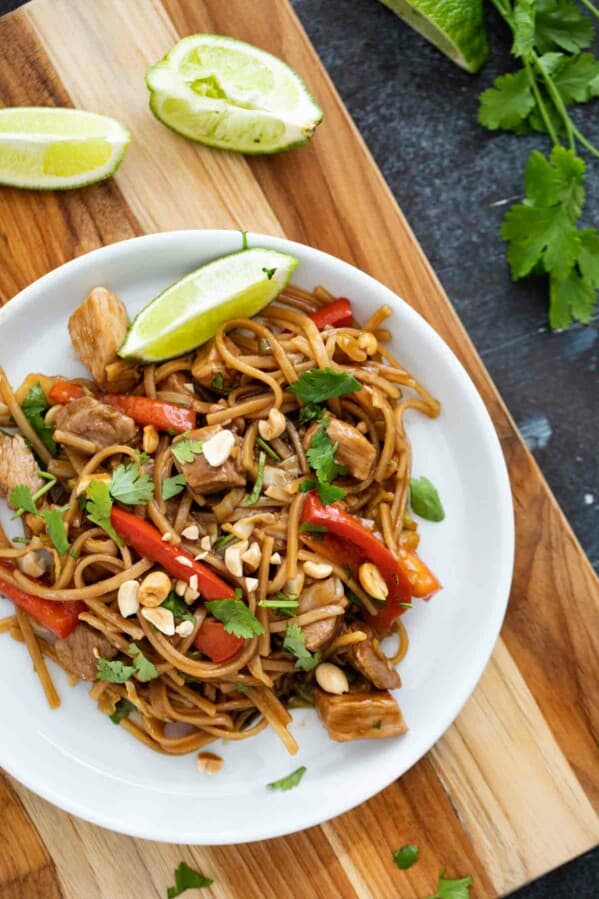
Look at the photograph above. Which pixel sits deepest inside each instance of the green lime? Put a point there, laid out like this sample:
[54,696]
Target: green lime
[455,27]
[189,312]
[48,148]
[227,94]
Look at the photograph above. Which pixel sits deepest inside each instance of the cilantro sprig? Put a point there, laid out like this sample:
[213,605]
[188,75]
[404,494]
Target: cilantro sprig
[288,782]
[321,458]
[117,672]
[541,232]
[448,888]
[187,879]
[295,644]
[34,406]
[128,484]
[236,617]
[24,500]
[320,384]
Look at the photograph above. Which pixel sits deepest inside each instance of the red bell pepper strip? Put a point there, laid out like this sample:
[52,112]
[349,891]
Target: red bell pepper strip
[349,543]
[64,391]
[175,560]
[336,314]
[213,640]
[146,411]
[59,617]
[423,581]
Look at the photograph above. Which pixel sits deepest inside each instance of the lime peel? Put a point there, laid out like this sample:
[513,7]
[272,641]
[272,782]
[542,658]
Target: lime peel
[189,312]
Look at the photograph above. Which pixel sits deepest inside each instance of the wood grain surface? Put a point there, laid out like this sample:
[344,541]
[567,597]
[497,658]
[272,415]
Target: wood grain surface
[508,792]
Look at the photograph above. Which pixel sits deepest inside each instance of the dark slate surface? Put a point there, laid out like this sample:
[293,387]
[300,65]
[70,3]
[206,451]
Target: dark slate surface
[417,112]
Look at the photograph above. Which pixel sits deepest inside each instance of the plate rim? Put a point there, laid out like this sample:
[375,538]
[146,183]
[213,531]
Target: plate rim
[479,660]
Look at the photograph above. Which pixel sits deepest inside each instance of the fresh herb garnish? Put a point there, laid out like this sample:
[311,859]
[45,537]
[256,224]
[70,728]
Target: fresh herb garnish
[310,412]
[289,782]
[424,499]
[328,492]
[306,527]
[377,724]
[55,528]
[173,486]
[295,643]
[269,272]
[218,383]
[98,507]
[321,458]
[185,877]
[254,496]
[452,889]
[33,407]
[541,232]
[320,384]
[122,709]
[178,607]
[131,486]
[21,494]
[185,450]
[282,605]
[268,449]
[236,617]
[224,541]
[406,856]
[116,672]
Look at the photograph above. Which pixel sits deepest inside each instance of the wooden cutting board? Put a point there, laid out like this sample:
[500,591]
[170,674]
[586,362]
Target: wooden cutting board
[508,792]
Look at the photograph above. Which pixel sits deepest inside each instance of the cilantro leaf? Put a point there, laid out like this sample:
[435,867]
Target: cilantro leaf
[115,672]
[561,23]
[22,498]
[236,617]
[254,496]
[269,272]
[577,78]
[329,493]
[289,782]
[56,529]
[452,889]
[295,644]
[321,455]
[173,486]
[143,667]
[507,103]
[122,709]
[524,28]
[310,412]
[33,407]
[98,506]
[185,877]
[131,486]
[184,450]
[406,856]
[588,256]
[320,384]
[178,607]
[424,499]
[570,299]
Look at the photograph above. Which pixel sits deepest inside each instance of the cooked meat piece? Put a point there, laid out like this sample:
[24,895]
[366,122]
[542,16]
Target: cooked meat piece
[322,593]
[359,716]
[363,657]
[76,653]
[104,425]
[97,328]
[355,450]
[207,365]
[17,465]
[205,478]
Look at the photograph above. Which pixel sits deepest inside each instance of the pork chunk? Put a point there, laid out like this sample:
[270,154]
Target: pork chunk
[322,593]
[359,716]
[76,652]
[363,657]
[88,418]
[355,451]
[204,478]
[97,328]
[17,465]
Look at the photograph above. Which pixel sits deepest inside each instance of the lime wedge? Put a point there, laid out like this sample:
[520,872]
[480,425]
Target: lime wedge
[189,312]
[455,27]
[227,94]
[48,148]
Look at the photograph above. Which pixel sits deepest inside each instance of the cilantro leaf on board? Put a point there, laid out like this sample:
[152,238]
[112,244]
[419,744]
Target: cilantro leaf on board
[289,782]
[577,78]
[561,23]
[320,384]
[406,856]
[507,103]
[452,889]
[236,617]
[187,879]
[173,486]
[524,28]
[34,406]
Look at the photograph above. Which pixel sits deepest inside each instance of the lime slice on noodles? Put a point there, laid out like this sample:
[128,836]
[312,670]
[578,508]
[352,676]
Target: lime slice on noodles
[48,148]
[189,312]
[228,94]
[455,27]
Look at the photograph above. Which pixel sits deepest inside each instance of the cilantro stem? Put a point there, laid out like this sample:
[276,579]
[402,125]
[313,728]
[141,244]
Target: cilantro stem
[557,100]
[539,101]
[592,9]
[585,143]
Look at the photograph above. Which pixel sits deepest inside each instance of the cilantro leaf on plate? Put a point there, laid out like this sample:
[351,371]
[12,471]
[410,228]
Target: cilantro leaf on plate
[424,499]
[33,407]
[321,454]
[185,450]
[452,889]
[55,528]
[236,617]
[295,644]
[320,384]
[131,486]
[122,709]
[22,498]
[178,607]
[173,486]
[187,879]
[288,782]
[143,667]
[116,672]
[98,506]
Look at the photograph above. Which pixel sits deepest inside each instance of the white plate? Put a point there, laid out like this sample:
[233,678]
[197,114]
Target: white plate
[77,759]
